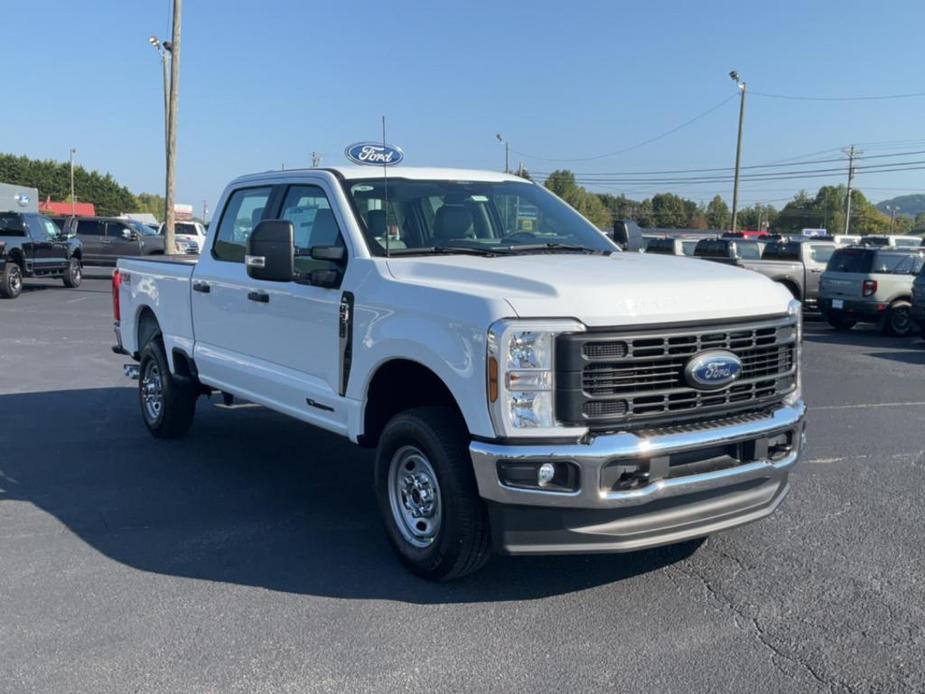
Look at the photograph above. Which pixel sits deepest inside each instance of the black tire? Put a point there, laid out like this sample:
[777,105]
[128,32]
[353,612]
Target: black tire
[168,403]
[839,322]
[460,542]
[11,281]
[898,320]
[73,275]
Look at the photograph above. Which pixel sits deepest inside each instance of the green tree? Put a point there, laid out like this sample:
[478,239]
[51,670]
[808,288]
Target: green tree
[562,183]
[717,213]
[151,203]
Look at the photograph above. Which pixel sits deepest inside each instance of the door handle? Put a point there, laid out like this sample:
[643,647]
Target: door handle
[261,297]
[203,287]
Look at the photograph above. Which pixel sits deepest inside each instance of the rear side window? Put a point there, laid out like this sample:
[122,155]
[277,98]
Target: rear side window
[781,251]
[855,260]
[89,227]
[749,251]
[664,246]
[891,263]
[688,247]
[244,209]
[712,248]
[821,254]
[11,225]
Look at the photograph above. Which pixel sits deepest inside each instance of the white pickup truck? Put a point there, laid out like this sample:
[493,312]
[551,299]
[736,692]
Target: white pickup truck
[529,387]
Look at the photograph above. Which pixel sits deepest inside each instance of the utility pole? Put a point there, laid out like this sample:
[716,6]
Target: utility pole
[735,188]
[316,159]
[173,106]
[73,199]
[893,209]
[852,153]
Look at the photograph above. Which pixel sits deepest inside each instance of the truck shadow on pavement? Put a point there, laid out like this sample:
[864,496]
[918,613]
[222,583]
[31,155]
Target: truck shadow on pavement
[249,498]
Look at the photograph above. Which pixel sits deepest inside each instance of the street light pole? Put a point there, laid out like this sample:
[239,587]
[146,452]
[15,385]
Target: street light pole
[73,199]
[172,108]
[735,188]
[507,153]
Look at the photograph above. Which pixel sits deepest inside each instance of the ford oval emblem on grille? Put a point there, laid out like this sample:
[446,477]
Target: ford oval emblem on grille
[710,370]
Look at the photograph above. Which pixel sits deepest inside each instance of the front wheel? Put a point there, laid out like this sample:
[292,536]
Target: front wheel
[11,281]
[168,403]
[899,320]
[73,274]
[427,494]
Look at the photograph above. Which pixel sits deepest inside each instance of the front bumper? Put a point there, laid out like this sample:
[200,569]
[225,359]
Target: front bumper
[739,480]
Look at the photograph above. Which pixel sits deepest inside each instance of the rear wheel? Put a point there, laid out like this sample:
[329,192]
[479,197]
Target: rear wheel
[899,321]
[427,494]
[11,281]
[839,322]
[168,403]
[73,274]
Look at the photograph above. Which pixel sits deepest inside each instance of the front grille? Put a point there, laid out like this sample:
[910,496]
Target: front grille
[609,376]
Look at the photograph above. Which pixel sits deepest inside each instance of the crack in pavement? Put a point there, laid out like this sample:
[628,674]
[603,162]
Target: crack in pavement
[756,630]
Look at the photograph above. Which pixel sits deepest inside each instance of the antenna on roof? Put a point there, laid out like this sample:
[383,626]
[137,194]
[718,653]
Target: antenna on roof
[385,185]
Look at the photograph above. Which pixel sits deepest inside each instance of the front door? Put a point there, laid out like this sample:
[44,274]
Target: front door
[43,257]
[276,342]
[121,240]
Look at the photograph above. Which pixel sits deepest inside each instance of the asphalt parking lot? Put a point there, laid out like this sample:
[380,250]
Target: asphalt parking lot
[249,557]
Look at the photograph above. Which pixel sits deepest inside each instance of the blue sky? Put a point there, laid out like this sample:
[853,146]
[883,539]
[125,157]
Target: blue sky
[265,84]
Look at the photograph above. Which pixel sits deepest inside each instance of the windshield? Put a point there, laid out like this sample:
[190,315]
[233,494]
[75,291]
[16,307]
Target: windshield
[469,217]
[141,228]
[186,228]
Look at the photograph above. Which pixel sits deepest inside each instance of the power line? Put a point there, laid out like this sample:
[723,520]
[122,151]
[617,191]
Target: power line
[639,144]
[792,97]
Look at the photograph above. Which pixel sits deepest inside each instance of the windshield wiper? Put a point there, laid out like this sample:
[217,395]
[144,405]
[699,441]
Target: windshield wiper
[554,247]
[449,250]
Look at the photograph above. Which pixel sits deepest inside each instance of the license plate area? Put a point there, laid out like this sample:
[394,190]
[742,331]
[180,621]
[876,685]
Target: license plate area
[838,303]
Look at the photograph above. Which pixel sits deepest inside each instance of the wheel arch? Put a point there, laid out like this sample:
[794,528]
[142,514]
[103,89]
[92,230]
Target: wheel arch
[399,384]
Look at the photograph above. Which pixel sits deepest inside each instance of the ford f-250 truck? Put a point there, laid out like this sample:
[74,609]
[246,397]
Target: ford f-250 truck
[527,390]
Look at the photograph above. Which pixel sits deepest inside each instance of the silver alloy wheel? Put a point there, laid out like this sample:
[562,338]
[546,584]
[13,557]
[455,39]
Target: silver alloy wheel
[414,497]
[15,280]
[152,391]
[75,270]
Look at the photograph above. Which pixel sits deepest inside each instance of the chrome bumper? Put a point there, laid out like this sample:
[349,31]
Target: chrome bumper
[603,450]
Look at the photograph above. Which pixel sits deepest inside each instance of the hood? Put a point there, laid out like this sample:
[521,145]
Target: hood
[620,289]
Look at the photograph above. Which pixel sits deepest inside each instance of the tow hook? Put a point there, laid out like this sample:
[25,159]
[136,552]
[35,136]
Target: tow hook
[132,371]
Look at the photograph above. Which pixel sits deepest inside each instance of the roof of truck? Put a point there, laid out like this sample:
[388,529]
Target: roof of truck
[421,173]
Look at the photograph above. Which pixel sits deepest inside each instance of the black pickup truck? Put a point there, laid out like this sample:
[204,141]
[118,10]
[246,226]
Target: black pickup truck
[31,245]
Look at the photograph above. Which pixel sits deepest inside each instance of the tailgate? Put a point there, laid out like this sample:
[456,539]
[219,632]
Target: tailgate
[842,285]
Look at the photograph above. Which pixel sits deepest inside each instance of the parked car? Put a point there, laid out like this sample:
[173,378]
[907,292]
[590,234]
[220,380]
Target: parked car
[917,310]
[671,246]
[730,251]
[870,285]
[31,245]
[106,239]
[891,241]
[798,265]
[189,237]
[523,389]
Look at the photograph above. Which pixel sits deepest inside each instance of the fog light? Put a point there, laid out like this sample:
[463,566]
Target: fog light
[545,474]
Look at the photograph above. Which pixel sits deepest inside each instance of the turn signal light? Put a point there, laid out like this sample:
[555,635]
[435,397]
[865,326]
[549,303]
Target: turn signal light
[869,288]
[492,379]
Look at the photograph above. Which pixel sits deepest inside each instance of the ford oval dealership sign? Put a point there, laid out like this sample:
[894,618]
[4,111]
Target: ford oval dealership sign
[374,154]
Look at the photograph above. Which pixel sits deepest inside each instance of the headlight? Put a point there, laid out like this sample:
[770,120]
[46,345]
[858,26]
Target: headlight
[796,309]
[521,377]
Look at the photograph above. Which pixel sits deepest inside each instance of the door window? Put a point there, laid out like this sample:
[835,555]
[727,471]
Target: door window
[314,224]
[37,229]
[244,209]
[89,227]
[117,230]
[821,254]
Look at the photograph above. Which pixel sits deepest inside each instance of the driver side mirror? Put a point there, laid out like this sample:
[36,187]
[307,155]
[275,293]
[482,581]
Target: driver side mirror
[129,234]
[269,254]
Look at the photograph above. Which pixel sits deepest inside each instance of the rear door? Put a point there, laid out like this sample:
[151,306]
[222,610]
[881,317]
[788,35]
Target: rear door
[92,235]
[845,274]
[816,257]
